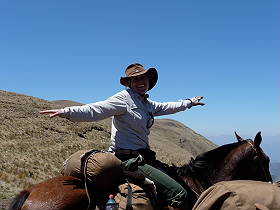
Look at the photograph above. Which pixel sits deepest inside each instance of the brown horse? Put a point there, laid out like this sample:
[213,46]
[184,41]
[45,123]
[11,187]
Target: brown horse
[242,160]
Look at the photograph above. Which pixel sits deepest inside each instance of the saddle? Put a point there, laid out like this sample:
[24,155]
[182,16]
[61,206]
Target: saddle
[103,174]
[133,197]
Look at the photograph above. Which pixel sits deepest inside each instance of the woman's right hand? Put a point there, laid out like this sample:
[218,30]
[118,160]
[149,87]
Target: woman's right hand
[52,113]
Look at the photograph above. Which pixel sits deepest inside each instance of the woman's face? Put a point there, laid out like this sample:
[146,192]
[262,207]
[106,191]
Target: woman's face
[140,84]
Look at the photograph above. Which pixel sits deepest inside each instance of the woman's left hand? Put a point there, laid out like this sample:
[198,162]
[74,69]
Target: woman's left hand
[196,101]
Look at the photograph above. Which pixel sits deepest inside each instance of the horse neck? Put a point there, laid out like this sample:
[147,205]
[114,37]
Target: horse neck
[203,172]
[230,168]
[189,177]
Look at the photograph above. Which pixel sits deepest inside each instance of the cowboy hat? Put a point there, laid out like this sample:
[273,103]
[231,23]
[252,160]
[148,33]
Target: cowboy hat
[137,69]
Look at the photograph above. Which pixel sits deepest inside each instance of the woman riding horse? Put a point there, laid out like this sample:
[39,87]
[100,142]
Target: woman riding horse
[244,160]
[133,116]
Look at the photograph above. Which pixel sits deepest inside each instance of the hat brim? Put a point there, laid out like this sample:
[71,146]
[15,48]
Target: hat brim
[151,73]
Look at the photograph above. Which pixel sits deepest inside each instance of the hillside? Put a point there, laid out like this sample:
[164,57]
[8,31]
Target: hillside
[33,146]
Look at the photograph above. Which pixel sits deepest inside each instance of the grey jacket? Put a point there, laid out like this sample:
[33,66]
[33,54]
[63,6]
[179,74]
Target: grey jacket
[130,114]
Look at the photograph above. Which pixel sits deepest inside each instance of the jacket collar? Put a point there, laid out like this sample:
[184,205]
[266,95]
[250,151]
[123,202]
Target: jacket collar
[137,95]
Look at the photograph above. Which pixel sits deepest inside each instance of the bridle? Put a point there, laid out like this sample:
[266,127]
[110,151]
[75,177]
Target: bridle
[250,142]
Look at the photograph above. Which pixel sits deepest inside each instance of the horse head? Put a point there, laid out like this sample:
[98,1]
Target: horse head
[254,164]
[243,160]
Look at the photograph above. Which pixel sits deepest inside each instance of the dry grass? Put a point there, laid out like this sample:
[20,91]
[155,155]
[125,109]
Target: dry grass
[33,146]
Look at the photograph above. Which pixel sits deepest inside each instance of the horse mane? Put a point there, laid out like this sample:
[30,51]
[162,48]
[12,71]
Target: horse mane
[206,163]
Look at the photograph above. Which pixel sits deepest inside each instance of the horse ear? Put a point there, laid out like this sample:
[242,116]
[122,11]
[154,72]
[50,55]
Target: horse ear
[239,139]
[258,139]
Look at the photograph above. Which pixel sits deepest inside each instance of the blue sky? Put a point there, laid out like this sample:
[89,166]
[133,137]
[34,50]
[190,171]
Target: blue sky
[227,51]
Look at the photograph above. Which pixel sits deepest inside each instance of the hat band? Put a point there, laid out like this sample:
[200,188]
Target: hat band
[135,71]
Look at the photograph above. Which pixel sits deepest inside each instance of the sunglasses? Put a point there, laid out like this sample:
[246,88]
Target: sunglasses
[150,121]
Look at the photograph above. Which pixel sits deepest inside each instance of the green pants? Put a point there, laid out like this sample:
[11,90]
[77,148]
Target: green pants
[171,191]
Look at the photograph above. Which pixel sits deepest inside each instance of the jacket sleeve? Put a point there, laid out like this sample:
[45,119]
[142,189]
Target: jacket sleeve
[166,108]
[114,105]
